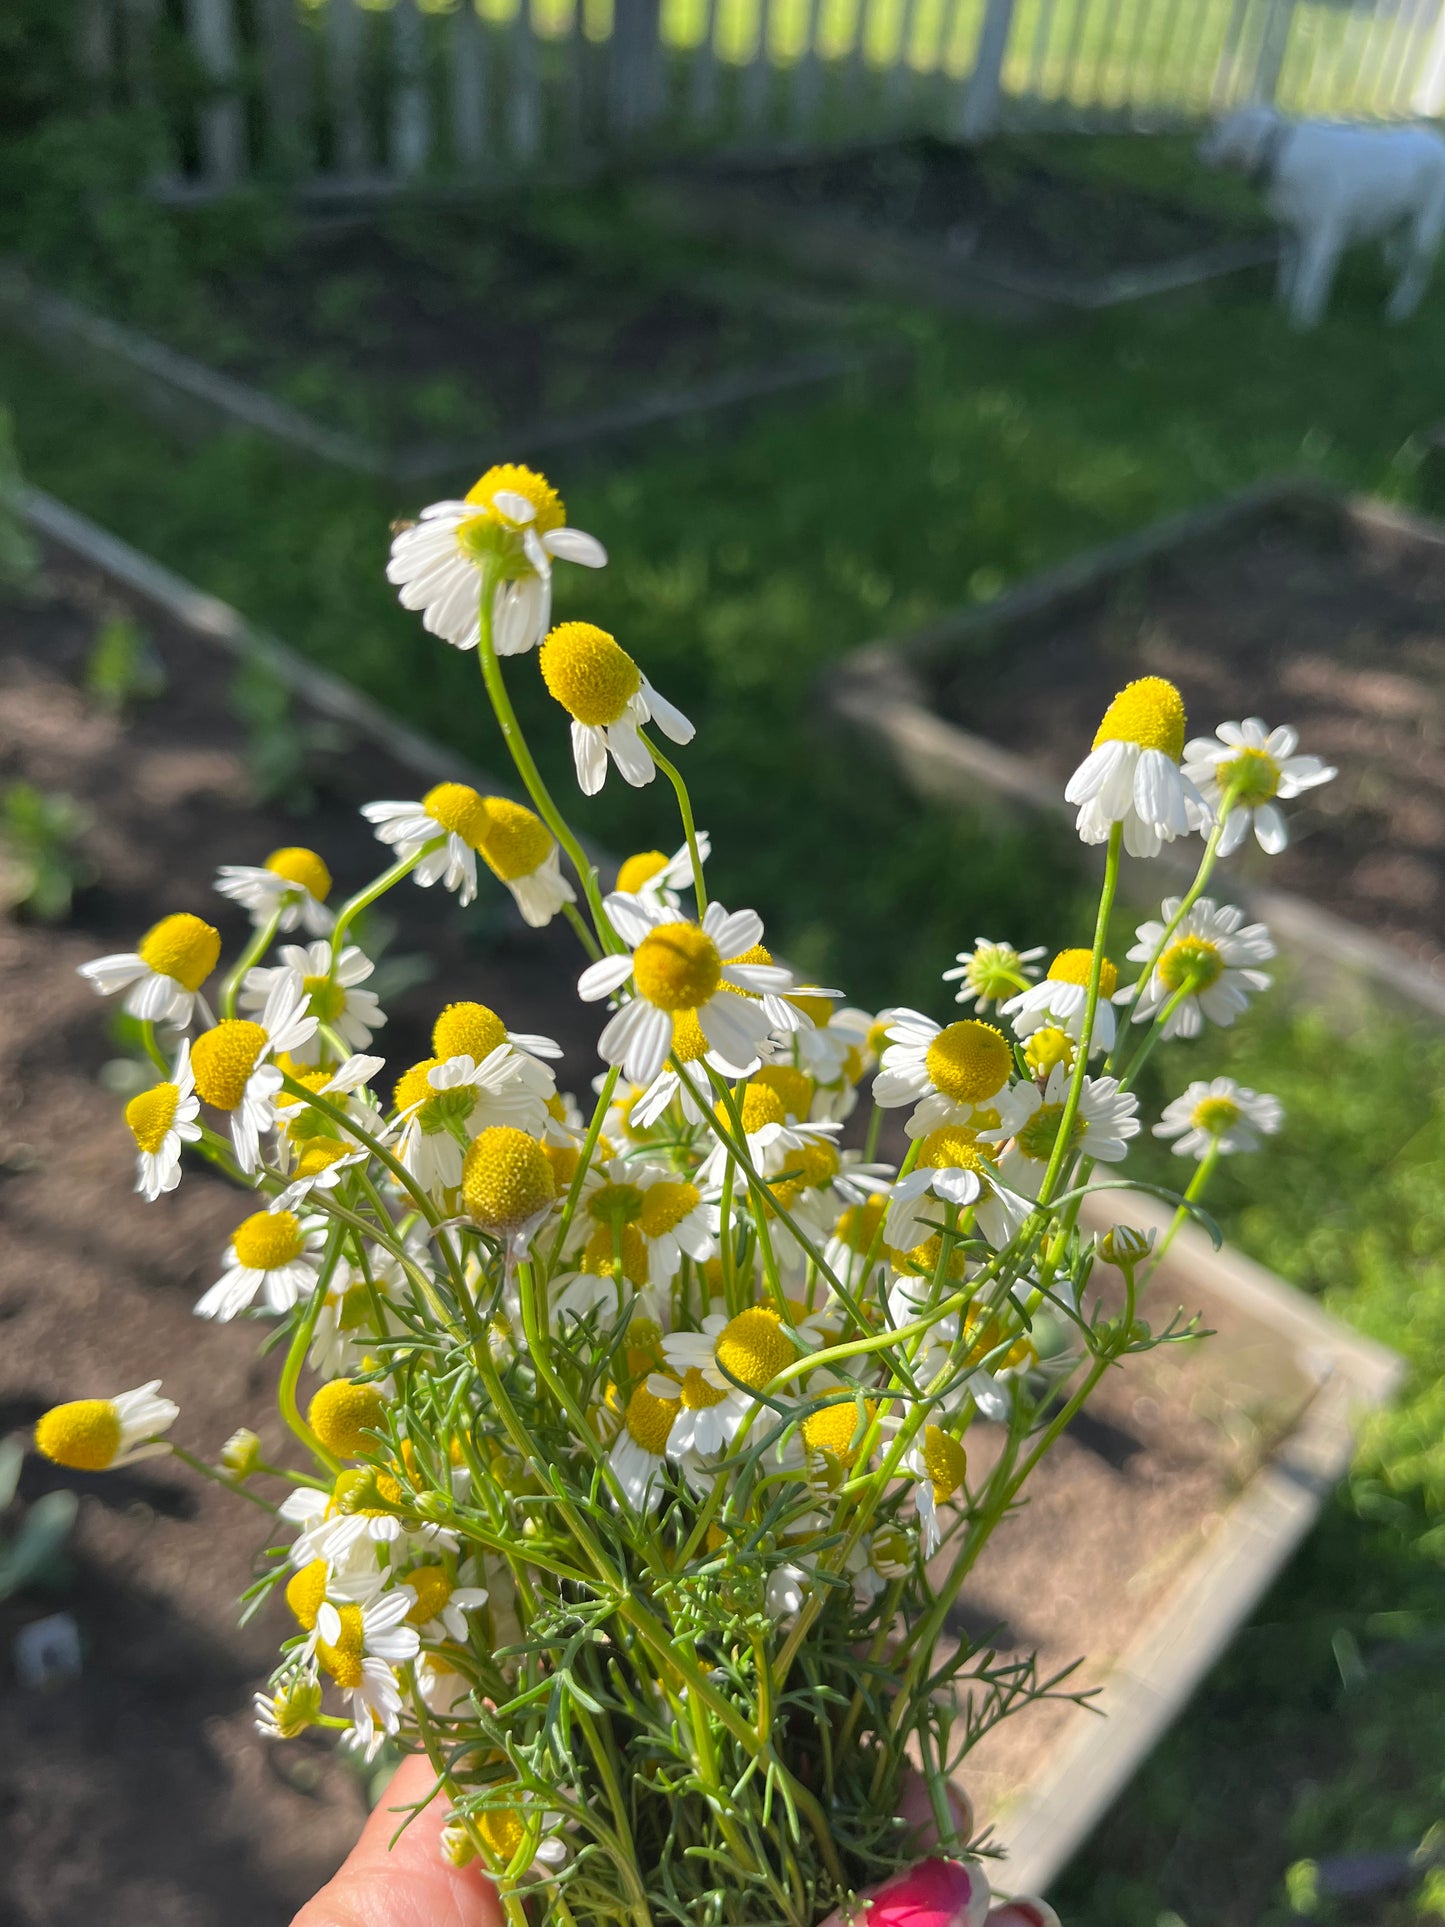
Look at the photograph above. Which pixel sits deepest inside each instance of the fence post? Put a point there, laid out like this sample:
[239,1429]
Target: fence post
[1273,45]
[635,52]
[212,33]
[978,114]
[284,77]
[410,105]
[467,71]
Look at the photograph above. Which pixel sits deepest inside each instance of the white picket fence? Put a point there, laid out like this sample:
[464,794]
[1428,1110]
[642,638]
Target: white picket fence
[349,96]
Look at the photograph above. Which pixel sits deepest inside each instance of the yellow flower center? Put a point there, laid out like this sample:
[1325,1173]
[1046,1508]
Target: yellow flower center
[306,1592]
[1072,967]
[326,998]
[1192,964]
[697,1394]
[953,1148]
[600,1254]
[467,1030]
[1215,1115]
[809,1167]
[343,1412]
[688,1041]
[182,948]
[753,1347]
[343,1660]
[433,1110]
[303,867]
[819,1009]
[924,1258]
[665,1205]
[1037,1138]
[506,1180]
[621,1203]
[1149,712]
[588,672]
[84,1435]
[837,1431]
[793,1086]
[677,967]
[267,1239]
[969,1061]
[944,1462]
[456,807]
[858,1226]
[759,1105]
[503,1832]
[512,840]
[319,1155]
[1048,1047]
[513,479]
[151,1114]
[1252,774]
[224,1058]
[432,1588]
[640,869]
[649,1420]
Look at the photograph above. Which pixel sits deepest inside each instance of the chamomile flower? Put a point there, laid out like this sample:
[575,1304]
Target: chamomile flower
[939,1464]
[232,1065]
[949,1073]
[1207,968]
[453,825]
[161,1120]
[292,885]
[609,700]
[445,1102]
[442,1602]
[706,1418]
[991,973]
[360,1646]
[345,1331]
[1132,774]
[162,977]
[1258,768]
[953,1168]
[1059,1002]
[857,1233]
[344,1527]
[271,1252]
[689,1049]
[511,524]
[665,1211]
[292,1708]
[1104,1122]
[333,994]
[651,874]
[508,1186]
[1219,1115]
[748,1350]
[639,1453]
[99,1434]
[679,969]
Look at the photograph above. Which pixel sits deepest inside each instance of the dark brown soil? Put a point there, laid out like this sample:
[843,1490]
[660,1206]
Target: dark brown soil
[986,206]
[1337,627]
[140,1796]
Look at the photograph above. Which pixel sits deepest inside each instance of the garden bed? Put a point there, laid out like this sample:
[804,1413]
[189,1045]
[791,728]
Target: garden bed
[422,343]
[974,227]
[140,1794]
[1286,602]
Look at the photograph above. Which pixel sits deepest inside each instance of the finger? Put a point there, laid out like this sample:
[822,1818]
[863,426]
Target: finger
[411,1884]
[935,1893]
[916,1808]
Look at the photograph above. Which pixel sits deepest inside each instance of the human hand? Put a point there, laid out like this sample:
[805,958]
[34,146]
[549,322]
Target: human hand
[413,1884]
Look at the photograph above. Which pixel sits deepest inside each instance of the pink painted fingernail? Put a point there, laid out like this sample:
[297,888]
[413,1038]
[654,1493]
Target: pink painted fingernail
[935,1893]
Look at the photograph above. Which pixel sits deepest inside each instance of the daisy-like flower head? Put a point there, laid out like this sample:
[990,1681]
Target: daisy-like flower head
[1103,1124]
[950,1073]
[1208,965]
[1132,774]
[271,1252]
[748,1350]
[446,1101]
[161,1120]
[319,1149]
[232,1068]
[99,1434]
[453,825]
[833,1431]
[360,1646]
[291,1709]
[163,975]
[953,1168]
[992,972]
[1219,1115]
[442,1603]
[939,1464]
[639,1453]
[1060,1000]
[507,1183]
[292,885]
[651,874]
[1258,769]
[333,994]
[662,1211]
[609,699]
[706,1418]
[678,969]
[511,525]
[343,1414]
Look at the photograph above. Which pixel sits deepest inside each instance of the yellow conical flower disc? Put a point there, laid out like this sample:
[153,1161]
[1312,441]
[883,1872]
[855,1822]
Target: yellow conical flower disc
[665,1205]
[588,672]
[512,478]
[677,967]
[306,1592]
[512,840]
[760,1105]
[182,948]
[599,1256]
[84,1435]
[343,1412]
[467,1030]
[969,1061]
[649,1420]
[223,1059]
[640,869]
[267,1239]
[944,1461]
[793,1086]
[1072,967]
[303,867]
[697,1394]
[343,1660]
[836,1430]
[754,1348]
[151,1114]
[432,1588]
[506,1180]
[458,808]
[1149,712]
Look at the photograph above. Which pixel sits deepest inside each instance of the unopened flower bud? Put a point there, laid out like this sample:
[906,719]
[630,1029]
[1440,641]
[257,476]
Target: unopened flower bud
[457,1843]
[241,1454]
[1125,1244]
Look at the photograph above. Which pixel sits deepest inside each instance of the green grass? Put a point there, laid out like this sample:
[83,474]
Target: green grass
[744,565]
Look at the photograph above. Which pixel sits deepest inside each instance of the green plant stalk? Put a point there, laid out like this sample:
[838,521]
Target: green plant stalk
[684,804]
[262,937]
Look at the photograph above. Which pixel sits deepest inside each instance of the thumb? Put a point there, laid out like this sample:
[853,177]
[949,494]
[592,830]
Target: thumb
[411,1884]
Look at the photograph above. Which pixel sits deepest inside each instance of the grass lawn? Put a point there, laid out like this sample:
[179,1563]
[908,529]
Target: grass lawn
[743,565]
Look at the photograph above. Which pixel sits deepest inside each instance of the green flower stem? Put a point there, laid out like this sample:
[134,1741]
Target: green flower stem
[583,935]
[296,1357]
[261,940]
[1192,1193]
[584,1164]
[220,1478]
[363,900]
[1091,1005]
[153,1050]
[1155,1032]
[689,829]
